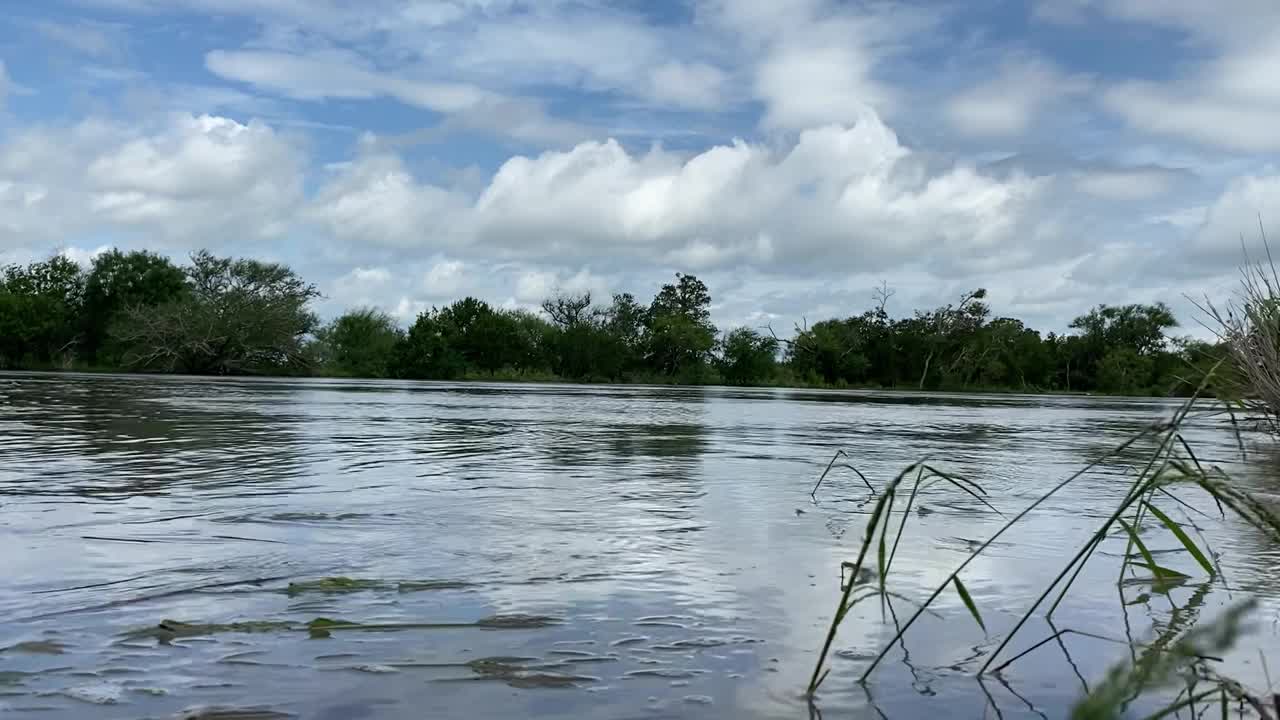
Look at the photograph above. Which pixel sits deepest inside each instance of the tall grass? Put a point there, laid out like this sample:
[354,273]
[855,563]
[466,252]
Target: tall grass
[1146,506]
[1248,325]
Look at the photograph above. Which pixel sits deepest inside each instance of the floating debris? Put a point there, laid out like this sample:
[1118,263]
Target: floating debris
[168,630]
[517,621]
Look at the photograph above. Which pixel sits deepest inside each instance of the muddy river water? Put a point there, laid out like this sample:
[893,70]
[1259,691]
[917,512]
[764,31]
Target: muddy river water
[359,549]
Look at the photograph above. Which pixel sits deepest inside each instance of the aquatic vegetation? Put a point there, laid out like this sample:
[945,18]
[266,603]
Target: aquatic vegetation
[339,585]
[168,630]
[1143,510]
[334,585]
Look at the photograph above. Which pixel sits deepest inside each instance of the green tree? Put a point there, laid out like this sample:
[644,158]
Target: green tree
[239,317]
[679,331]
[1107,329]
[832,351]
[119,281]
[625,321]
[1124,370]
[747,357]
[39,312]
[424,353]
[536,341]
[360,343]
[487,339]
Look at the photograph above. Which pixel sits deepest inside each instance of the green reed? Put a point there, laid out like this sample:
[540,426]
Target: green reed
[1182,649]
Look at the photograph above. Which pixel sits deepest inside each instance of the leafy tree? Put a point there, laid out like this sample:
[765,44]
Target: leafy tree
[535,339]
[424,352]
[39,310]
[360,343]
[688,297]
[1124,370]
[832,351]
[747,357]
[1106,329]
[625,321]
[679,331]
[119,281]
[239,316]
[487,339]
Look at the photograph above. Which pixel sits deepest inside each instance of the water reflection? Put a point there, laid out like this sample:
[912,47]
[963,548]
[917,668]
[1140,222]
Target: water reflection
[668,531]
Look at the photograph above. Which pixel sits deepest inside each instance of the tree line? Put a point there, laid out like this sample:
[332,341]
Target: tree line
[138,311]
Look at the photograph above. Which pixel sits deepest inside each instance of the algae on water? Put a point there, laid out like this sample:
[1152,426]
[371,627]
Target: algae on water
[334,585]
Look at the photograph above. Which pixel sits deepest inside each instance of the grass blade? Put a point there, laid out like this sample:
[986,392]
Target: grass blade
[882,554]
[1161,572]
[956,480]
[1190,701]
[1142,547]
[968,602]
[1179,533]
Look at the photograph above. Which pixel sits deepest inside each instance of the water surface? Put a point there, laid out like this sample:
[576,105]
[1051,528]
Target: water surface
[556,551]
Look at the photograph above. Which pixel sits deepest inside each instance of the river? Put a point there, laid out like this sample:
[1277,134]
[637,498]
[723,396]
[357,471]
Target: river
[515,551]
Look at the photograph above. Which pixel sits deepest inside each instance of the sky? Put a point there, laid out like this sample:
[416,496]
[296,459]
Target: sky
[794,155]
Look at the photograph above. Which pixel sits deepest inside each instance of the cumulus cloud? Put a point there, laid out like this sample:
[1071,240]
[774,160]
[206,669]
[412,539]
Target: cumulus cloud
[374,199]
[186,181]
[817,202]
[815,62]
[840,195]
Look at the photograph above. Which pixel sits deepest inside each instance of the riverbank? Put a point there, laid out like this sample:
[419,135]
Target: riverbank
[708,380]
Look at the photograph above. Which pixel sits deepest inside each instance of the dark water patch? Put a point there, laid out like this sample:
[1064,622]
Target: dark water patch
[36,647]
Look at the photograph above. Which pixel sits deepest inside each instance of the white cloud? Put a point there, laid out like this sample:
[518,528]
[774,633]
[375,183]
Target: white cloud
[333,74]
[1007,104]
[846,195]
[806,86]
[694,85]
[535,285]
[82,256]
[182,182]
[446,278]
[375,200]
[1235,218]
[1201,114]
[1229,99]
[1182,219]
[97,40]
[1130,184]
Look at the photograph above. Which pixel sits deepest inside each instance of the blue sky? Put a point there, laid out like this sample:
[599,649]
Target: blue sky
[401,153]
